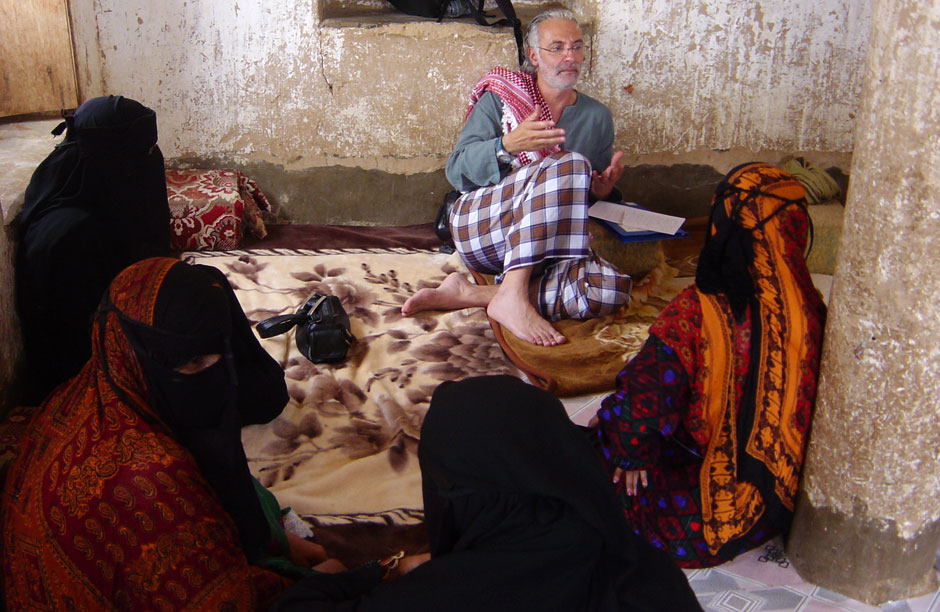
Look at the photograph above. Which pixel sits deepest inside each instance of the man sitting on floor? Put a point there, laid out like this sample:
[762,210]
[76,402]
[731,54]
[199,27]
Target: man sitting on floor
[526,161]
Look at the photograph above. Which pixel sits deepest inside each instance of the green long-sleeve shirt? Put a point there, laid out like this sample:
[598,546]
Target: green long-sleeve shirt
[589,130]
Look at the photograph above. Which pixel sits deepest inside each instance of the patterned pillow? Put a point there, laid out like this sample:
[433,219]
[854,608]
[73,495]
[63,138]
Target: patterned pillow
[212,209]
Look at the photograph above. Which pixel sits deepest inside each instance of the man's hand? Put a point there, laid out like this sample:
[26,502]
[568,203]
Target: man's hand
[533,135]
[630,479]
[602,184]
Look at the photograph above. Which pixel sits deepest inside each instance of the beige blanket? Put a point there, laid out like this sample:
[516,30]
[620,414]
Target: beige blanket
[344,448]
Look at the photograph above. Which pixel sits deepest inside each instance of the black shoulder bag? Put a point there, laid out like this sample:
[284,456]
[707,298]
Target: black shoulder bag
[438,9]
[323,333]
[442,221]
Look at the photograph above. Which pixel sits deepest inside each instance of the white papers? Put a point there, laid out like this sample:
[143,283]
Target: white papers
[632,218]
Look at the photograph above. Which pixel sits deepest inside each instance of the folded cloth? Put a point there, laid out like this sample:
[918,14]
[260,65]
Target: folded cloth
[213,209]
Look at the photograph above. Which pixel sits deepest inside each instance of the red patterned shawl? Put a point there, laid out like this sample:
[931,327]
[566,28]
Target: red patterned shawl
[519,94]
[103,509]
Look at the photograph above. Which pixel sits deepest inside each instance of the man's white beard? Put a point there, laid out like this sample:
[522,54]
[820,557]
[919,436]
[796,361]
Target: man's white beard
[558,81]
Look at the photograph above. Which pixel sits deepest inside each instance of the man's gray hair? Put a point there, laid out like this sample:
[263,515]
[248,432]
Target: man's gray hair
[531,40]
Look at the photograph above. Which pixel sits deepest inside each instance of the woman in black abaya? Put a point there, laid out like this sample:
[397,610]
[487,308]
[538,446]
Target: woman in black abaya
[520,516]
[95,205]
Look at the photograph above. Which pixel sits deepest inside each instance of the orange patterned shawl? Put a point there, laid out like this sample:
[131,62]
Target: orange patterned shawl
[103,509]
[754,378]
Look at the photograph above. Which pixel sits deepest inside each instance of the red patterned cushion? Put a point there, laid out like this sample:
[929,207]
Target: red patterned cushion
[212,209]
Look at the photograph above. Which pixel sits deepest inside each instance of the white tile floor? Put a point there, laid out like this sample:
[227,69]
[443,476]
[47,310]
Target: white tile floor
[763,580]
[581,409]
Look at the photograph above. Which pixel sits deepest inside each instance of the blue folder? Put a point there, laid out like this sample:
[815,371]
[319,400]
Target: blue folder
[637,235]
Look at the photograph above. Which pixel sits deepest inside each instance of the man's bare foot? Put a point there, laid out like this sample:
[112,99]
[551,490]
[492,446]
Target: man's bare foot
[455,292]
[521,318]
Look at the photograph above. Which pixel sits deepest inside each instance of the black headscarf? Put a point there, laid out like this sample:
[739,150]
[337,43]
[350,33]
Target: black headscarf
[95,205]
[520,516]
[196,313]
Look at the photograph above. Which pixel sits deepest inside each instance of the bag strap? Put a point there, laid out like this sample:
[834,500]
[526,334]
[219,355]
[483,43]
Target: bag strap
[441,9]
[278,324]
[316,305]
[510,19]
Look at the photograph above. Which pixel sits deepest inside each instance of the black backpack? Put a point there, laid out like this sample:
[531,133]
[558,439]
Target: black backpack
[438,9]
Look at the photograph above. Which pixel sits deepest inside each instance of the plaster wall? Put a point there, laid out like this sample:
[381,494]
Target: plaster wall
[252,84]
[685,75]
[270,83]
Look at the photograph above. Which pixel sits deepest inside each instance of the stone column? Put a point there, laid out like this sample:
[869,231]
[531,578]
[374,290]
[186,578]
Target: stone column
[867,522]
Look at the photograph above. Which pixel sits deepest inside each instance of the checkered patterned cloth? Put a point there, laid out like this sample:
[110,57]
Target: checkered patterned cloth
[537,216]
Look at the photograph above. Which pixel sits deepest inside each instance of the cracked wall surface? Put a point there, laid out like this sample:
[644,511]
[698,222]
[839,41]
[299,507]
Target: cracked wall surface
[709,82]
[692,74]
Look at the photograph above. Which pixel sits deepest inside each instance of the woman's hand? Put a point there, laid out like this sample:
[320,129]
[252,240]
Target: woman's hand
[630,479]
[330,566]
[407,564]
[398,564]
[304,552]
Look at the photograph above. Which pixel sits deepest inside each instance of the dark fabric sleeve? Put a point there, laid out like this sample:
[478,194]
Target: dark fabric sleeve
[330,592]
[647,408]
[66,261]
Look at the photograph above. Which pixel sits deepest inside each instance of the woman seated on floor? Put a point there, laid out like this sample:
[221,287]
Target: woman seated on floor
[131,490]
[520,516]
[94,206]
[706,432]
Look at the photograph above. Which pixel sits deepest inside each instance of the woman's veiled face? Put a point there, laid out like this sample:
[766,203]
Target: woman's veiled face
[199,363]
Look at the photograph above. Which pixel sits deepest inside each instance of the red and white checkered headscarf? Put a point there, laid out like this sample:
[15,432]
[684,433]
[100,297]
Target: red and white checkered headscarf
[519,94]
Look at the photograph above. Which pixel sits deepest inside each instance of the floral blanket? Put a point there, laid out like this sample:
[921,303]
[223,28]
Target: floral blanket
[344,449]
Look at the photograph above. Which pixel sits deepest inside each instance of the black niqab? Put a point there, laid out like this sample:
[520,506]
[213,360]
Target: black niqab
[95,205]
[520,516]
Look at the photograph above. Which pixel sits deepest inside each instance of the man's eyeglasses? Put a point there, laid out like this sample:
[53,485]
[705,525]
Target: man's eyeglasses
[557,50]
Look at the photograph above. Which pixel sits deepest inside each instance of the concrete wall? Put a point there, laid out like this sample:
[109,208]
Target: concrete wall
[687,75]
[279,91]
[350,119]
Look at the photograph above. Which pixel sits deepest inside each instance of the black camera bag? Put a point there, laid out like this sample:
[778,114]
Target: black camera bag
[323,333]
